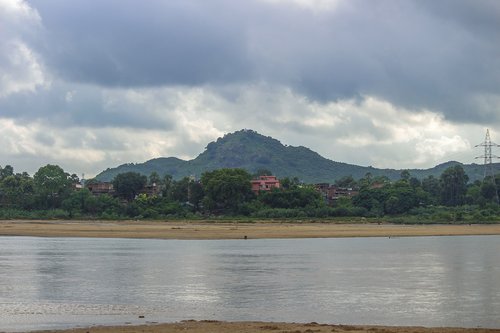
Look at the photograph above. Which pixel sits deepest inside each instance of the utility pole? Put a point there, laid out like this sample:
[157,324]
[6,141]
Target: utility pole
[488,156]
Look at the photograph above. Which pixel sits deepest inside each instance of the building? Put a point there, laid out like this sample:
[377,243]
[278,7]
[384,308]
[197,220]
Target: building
[101,188]
[264,183]
[331,192]
[152,190]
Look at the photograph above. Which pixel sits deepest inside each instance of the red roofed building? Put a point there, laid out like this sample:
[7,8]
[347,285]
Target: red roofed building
[264,183]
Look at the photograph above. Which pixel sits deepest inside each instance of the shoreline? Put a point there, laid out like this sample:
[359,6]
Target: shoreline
[208,326]
[209,230]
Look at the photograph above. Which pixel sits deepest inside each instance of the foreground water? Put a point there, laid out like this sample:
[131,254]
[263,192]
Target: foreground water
[427,281]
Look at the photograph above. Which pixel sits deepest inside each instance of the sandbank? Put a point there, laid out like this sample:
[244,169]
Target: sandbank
[261,327]
[196,229]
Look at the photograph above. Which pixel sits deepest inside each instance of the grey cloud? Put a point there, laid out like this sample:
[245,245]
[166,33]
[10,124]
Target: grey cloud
[127,43]
[476,16]
[98,140]
[440,55]
[45,138]
[87,106]
[398,52]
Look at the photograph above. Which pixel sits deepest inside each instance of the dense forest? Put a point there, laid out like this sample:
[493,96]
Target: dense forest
[53,193]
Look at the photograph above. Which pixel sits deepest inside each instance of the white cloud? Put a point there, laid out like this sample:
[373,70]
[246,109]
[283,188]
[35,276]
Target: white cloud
[77,149]
[16,13]
[366,132]
[20,67]
[437,148]
[314,5]
[69,96]
[25,143]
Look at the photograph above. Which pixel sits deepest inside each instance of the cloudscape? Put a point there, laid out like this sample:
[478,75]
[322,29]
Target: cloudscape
[398,84]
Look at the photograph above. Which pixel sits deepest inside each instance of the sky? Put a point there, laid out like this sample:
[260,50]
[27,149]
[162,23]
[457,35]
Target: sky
[89,85]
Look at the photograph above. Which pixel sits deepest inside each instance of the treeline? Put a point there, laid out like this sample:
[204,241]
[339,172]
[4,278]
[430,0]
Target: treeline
[54,193]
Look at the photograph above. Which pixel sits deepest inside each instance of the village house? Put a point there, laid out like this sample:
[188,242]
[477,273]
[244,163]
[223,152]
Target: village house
[101,188]
[152,190]
[331,193]
[264,183]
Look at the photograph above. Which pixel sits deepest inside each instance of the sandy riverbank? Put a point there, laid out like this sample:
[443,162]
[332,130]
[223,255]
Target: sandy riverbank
[231,230]
[260,327]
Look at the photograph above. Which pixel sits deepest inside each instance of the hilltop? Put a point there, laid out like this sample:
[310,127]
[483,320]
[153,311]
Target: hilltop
[252,151]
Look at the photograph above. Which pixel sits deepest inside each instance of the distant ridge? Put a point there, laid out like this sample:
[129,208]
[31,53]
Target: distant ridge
[252,151]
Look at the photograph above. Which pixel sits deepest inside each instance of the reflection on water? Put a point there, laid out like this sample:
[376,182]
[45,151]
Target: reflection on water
[429,281]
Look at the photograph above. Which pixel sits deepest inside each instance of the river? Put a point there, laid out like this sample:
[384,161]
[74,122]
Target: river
[48,283]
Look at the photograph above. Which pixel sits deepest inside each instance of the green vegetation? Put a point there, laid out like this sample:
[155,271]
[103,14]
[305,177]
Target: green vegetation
[128,185]
[53,193]
[252,151]
[226,190]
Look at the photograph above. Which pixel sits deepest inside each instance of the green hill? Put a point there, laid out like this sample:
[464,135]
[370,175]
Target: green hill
[252,151]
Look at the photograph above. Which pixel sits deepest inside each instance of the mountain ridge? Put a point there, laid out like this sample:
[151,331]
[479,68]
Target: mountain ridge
[252,151]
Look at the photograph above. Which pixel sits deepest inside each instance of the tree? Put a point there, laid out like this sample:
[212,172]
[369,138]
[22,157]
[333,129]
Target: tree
[473,195]
[263,172]
[127,185]
[167,186]
[414,182]
[196,193]
[6,172]
[51,185]
[185,190]
[392,205]
[396,198]
[77,202]
[104,205]
[366,181]
[292,198]
[17,191]
[74,179]
[405,175]
[154,178]
[453,186]
[179,190]
[346,181]
[432,186]
[400,197]
[371,199]
[226,189]
[289,183]
[489,191]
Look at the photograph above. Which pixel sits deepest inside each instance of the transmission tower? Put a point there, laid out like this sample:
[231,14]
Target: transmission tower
[488,156]
[489,173]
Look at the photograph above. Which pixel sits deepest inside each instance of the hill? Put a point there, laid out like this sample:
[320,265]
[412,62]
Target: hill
[252,151]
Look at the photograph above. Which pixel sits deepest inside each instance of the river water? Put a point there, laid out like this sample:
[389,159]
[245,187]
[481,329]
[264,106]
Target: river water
[427,281]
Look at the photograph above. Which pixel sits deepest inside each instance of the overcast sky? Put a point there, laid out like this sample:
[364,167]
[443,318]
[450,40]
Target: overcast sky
[399,84]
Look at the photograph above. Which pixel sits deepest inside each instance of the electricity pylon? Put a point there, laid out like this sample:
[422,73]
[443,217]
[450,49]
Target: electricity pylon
[488,156]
